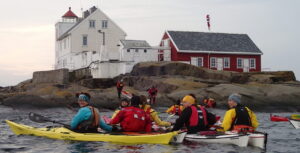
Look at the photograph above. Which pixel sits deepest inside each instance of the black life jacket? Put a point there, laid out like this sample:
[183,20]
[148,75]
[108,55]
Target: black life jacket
[92,124]
[242,116]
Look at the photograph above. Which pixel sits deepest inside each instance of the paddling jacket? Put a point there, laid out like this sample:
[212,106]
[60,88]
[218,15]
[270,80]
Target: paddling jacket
[120,84]
[152,91]
[175,109]
[239,115]
[195,119]
[155,118]
[133,119]
[86,121]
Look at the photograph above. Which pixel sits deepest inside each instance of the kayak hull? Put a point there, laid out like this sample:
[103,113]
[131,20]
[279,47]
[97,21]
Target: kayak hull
[235,139]
[66,134]
[295,123]
[258,139]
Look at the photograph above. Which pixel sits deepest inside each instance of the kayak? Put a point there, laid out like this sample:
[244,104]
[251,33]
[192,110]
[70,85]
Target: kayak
[276,118]
[295,116]
[295,123]
[227,138]
[258,139]
[124,137]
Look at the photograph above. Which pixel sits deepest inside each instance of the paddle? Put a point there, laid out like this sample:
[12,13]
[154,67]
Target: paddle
[41,119]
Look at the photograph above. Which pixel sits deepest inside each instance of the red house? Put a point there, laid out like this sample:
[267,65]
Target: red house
[218,51]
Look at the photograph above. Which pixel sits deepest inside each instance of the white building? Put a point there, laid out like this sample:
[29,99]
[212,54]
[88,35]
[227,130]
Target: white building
[96,42]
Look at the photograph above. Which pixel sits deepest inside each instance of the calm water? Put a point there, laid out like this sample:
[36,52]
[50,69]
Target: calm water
[282,137]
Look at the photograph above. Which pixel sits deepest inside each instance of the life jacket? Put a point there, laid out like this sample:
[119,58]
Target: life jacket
[92,123]
[120,84]
[134,119]
[242,117]
[197,115]
[176,110]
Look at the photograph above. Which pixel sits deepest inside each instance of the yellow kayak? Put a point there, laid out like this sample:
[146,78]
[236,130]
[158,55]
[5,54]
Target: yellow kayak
[66,134]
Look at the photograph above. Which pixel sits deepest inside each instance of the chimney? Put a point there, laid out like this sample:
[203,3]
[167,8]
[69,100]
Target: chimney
[93,9]
[86,13]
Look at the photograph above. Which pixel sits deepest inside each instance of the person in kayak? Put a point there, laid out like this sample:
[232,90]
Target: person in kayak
[193,117]
[124,103]
[238,114]
[133,118]
[175,109]
[152,113]
[87,118]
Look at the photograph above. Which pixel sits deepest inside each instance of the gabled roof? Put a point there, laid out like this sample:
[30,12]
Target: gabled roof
[213,42]
[69,14]
[93,10]
[135,44]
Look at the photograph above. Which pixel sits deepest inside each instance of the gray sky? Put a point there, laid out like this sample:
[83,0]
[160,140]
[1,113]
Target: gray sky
[27,27]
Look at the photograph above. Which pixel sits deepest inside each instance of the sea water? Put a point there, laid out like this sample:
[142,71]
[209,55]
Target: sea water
[282,137]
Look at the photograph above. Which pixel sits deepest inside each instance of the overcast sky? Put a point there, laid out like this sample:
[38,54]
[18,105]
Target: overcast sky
[27,28]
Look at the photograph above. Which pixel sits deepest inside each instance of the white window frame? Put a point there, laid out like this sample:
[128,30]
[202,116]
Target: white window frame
[104,24]
[228,59]
[254,63]
[84,43]
[92,23]
[211,63]
[237,63]
[199,61]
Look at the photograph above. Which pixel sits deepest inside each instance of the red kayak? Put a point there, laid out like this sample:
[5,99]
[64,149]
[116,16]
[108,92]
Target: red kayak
[276,118]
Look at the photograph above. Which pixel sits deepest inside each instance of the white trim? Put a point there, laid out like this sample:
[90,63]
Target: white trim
[237,63]
[250,63]
[196,61]
[167,32]
[224,66]
[218,52]
[210,63]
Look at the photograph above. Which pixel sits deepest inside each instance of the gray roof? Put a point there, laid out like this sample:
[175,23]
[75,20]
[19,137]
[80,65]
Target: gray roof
[135,44]
[208,41]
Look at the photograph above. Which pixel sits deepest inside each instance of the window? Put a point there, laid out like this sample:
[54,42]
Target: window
[197,61]
[84,40]
[94,52]
[92,23]
[128,50]
[145,50]
[65,43]
[227,62]
[212,62]
[252,63]
[136,50]
[239,63]
[104,24]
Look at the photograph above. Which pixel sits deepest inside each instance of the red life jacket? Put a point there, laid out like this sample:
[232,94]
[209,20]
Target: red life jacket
[198,113]
[134,119]
[176,110]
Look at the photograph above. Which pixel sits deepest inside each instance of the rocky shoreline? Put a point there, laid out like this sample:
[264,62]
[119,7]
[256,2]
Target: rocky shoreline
[261,91]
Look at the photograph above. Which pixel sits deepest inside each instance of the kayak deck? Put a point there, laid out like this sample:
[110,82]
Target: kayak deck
[66,134]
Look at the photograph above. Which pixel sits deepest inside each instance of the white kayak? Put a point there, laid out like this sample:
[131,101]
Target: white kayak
[227,138]
[295,123]
[258,139]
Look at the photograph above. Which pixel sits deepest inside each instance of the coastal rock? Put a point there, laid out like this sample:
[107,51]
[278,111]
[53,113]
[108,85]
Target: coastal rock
[262,91]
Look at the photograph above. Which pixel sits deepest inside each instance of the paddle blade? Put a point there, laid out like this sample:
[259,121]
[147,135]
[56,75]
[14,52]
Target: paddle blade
[38,118]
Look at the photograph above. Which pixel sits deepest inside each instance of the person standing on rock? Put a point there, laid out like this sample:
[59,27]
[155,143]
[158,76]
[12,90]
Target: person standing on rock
[87,118]
[120,85]
[238,115]
[152,92]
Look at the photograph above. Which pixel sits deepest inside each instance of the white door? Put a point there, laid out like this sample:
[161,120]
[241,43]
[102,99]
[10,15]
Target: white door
[219,63]
[194,61]
[246,65]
